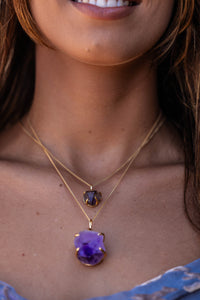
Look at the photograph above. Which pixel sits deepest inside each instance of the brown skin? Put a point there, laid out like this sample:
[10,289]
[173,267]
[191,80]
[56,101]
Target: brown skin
[93,116]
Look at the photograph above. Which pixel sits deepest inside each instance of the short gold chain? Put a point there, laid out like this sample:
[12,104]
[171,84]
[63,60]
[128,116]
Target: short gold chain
[154,129]
[37,140]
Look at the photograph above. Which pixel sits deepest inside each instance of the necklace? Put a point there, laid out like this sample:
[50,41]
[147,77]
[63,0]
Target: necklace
[90,249]
[91,197]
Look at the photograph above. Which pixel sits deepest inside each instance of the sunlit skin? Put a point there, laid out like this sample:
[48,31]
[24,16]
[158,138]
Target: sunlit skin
[95,99]
[102,42]
[102,99]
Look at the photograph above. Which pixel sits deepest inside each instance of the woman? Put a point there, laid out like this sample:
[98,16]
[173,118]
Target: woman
[83,84]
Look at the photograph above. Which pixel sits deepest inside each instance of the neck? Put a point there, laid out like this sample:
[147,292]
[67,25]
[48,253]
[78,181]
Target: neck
[92,111]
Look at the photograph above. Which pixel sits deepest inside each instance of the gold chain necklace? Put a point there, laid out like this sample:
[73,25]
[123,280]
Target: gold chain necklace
[90,249]
[92,197]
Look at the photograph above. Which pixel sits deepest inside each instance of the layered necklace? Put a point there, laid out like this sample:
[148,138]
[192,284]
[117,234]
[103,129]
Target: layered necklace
[89,245]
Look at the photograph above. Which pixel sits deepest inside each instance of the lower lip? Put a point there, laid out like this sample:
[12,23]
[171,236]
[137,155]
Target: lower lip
[104,13]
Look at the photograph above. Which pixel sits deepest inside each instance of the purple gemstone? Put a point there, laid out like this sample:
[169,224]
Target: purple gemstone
[92,198]
[90,247]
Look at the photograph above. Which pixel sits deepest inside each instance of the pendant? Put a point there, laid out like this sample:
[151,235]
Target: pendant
[92,198]
[90,249]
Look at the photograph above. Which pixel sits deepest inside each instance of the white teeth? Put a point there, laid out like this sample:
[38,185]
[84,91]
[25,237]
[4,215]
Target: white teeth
[101,3]
[105,3]
[111,3]
[120,3]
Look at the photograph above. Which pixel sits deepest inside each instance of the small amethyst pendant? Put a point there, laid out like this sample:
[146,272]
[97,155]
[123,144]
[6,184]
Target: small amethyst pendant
[92,198]
[90,249]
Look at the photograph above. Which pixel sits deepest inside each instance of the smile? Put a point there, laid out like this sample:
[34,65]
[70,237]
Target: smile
[108,3]
[106,9]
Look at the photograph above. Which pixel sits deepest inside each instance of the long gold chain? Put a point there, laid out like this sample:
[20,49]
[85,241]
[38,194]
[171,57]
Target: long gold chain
[154,129]
[91,186]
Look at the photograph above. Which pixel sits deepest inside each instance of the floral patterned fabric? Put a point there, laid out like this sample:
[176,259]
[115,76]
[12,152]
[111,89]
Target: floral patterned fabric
[180,283]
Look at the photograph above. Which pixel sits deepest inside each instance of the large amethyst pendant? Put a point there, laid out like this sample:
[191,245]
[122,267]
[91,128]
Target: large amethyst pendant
[92,198]
[90,249]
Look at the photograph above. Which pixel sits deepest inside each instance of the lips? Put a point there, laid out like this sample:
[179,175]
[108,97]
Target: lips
[106,9]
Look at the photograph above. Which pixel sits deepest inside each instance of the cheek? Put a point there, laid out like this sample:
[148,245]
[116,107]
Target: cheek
[151,27]
[102,42]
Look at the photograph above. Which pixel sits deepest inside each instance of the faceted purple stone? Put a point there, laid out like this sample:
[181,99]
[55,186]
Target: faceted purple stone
[90,247]
[92,198]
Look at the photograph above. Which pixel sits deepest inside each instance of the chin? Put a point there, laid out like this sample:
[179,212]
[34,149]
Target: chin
[105,61]
[101,57]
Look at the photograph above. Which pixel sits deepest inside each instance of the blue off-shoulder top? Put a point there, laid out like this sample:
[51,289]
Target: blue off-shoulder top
[181,282]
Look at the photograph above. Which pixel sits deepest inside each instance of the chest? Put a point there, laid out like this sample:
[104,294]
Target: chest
[146,233]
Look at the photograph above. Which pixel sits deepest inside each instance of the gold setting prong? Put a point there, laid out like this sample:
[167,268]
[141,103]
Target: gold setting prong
[101,233]
[103,251]
[76,235]
[97,201]
[87,200]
